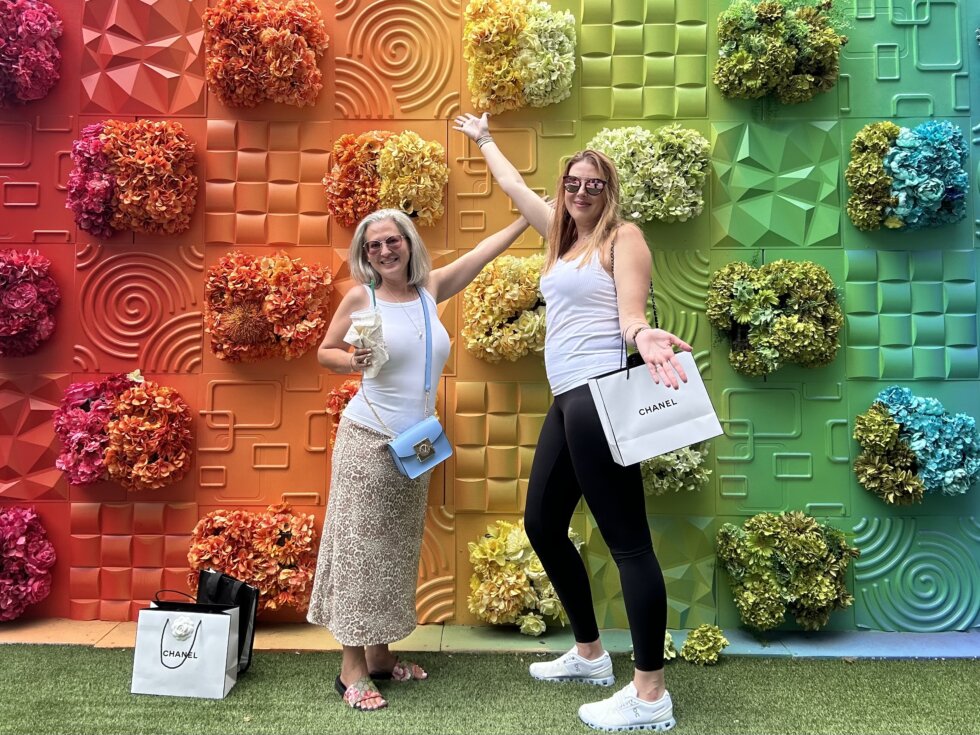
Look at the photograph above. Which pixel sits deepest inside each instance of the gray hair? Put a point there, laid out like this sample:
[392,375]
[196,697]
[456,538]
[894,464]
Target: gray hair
[419,262]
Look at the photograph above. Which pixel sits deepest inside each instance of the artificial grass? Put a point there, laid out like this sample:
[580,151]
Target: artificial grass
[77,689]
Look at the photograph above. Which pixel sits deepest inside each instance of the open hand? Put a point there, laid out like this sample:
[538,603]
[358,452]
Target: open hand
[472,126]
[656,346]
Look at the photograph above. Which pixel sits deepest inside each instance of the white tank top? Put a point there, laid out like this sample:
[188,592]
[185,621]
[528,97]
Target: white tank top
[582,321]
[398,391]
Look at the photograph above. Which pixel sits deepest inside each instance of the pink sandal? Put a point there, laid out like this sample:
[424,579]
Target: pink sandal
[360,692]
[402,671]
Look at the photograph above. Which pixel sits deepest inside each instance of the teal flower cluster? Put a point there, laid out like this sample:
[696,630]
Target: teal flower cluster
[908,178]
[661,172]
[786,563]
[786,48]
[782,312]
[946,446]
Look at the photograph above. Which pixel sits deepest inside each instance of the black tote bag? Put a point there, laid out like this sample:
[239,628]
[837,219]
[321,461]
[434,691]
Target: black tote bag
[217,588]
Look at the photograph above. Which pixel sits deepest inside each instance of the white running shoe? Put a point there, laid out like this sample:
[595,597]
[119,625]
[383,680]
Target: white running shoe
[625,711]
[572,667]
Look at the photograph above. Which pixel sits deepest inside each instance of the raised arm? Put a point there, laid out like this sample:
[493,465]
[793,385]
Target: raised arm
[529,204]
[449,280]
[631,270]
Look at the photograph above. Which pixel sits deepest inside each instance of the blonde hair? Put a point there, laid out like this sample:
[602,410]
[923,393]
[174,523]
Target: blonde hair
[419,262]
[562,232]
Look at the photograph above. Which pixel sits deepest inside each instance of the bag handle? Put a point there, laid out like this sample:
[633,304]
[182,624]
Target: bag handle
[156,597]
[653,301]
[214,579]
[163,634]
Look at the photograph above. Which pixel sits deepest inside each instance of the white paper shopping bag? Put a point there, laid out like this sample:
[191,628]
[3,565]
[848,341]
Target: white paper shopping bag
[186,650]
[643,419]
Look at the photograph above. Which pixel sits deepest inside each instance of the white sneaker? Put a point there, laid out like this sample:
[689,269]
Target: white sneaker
[572,667]
[625,711]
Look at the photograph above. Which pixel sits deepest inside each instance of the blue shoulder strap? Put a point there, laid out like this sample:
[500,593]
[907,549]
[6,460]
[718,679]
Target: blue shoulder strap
[428,349]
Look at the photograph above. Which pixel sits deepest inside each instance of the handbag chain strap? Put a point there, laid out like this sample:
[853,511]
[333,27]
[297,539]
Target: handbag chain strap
[428,368]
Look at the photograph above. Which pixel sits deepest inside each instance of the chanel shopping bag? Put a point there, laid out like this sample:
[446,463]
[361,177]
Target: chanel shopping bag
[217,588]
[184,649]
[642,419]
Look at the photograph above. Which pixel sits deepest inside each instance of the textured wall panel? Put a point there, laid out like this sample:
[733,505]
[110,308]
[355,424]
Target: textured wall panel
[35,160]
[906,58]
[139,308]
[397,59]
[122,553]
[685,550]
[918,574]
[495,428]
[645,59]
[436,596]
[776,185]
[911,315]
[264,182]
[143,57]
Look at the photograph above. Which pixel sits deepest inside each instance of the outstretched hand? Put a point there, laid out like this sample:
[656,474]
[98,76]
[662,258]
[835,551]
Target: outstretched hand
[656,347]
[472,126]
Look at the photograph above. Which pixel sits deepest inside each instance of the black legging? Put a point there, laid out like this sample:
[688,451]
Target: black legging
[572,459]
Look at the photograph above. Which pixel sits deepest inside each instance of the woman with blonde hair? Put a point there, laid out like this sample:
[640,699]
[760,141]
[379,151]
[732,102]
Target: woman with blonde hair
[364,586]
[595,282]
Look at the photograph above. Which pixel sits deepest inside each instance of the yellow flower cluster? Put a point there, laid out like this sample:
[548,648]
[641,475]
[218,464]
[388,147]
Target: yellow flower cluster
[509,585]
[503,310]
[520,53]
[413,175]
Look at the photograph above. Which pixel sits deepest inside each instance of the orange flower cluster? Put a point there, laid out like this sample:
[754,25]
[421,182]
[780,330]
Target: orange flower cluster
[152,163]
[268,306]
[149,437]
[274,550]
[337,401]
[264,49]
[353,183]
[380,169]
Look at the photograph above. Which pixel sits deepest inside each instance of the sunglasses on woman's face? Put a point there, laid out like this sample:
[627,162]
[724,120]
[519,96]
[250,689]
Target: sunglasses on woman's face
[593,187]
[374,246]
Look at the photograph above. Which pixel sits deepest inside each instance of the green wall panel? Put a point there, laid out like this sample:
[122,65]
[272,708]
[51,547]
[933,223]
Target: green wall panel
[643,59]
[685,550]
[917,574]
[776,185]
[907,58]
[911,315]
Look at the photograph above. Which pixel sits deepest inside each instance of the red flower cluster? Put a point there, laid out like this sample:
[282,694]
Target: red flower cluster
[274,550]
[26,558]
[29,58]
[133,176]
[28,295]
[269,306]
[337,401]
[126,429]
[264,49]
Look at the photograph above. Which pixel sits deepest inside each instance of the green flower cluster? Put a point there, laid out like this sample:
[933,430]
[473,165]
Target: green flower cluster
[704,645]
[786,48]
[886,465]
[784,311]
[661,172]
[682,469]
[866,177]
[786,563]
[670,651]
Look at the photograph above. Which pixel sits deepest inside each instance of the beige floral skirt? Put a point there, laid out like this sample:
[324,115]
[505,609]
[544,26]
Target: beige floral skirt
[367,570]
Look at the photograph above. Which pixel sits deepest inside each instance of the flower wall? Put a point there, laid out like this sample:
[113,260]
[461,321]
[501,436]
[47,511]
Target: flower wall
[775,187]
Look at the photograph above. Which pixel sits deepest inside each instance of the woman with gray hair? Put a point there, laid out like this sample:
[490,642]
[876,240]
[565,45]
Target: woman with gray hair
[364,587]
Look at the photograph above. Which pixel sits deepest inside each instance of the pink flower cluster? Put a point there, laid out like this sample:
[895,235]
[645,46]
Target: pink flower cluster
[26,558]
[29,58]
[90,186]
[124,428]
[28,295]
[80,423]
